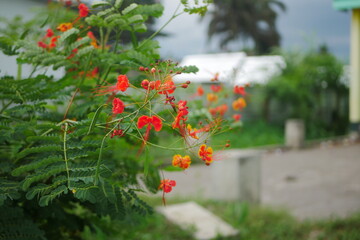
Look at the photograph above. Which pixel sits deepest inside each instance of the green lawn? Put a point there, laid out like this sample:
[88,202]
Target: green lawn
[254,223]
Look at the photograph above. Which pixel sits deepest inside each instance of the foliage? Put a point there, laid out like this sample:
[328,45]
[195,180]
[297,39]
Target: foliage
[247,19]
[311,87]
[72,147]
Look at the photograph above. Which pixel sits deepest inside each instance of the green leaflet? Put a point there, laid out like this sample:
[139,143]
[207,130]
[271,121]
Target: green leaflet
[95,117]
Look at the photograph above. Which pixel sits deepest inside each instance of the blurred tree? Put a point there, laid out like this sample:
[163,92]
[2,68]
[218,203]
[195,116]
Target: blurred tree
[250,19]
[312,87]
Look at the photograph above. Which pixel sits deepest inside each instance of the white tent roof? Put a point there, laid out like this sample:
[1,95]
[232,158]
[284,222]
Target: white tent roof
[235,68]
[259,69]
[223,64]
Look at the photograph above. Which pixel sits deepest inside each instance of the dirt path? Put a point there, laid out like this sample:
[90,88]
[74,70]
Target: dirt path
[313,183]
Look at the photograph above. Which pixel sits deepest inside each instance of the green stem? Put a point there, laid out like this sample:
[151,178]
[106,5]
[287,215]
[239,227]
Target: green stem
[19,71]
[86,68]
[65,154]
[6,106]
[102,40]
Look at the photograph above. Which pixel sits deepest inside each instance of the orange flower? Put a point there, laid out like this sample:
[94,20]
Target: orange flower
[93,39]
[239,104]
[118,106]
[192,132]
[166,185]
[181,162]
[63,27]
[83,10]
[211,97]
[221,110]
[215,88]
[239,90]
[167,87]
[200,91]
[237,117]
[205,153]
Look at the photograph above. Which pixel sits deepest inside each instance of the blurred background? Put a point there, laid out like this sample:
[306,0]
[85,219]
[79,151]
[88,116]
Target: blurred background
[294,59]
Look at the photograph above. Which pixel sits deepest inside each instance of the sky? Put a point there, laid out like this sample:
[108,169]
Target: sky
[305,24]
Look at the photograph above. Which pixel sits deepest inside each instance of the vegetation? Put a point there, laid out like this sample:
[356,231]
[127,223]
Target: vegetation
[253,223]
[72,147]
[247,19]
[312,88]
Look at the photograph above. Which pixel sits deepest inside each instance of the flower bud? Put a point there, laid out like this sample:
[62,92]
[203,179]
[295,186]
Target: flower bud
[145,84]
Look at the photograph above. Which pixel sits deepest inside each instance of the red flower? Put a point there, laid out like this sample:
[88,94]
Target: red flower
[239,90]
[117,132]
[83,10]
[166,185]
[118,106]
[49,33]
[237,117]
[215,88]
[42,44]
[146,120]
[206,154]
[122,83]
[200,91]
[182,112]
[182,162]
[221,110]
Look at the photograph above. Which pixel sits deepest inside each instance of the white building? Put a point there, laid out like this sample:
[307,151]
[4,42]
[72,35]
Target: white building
[233,68]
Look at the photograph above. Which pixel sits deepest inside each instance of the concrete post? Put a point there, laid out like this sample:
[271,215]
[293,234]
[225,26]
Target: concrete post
[355,72]
[294,133]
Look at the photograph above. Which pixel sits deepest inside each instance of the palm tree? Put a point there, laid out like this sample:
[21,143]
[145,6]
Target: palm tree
[249,19]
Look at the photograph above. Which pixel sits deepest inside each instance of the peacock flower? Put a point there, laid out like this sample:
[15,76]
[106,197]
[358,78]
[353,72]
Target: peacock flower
[239,104]
[200,91]
[192,132]
[239,90]
[93,39]
[215,88]
[166,185]
[182,112]
[118,106]
[42,44]
[49,33]
[165,87]
[181,162]
[83,10]
[237,117]
[205,153]
[211,97]
[63,27]
[121,85]
[150,121]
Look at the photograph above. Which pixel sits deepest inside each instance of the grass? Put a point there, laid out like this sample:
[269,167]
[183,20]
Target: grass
[251,134]
[254,223]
